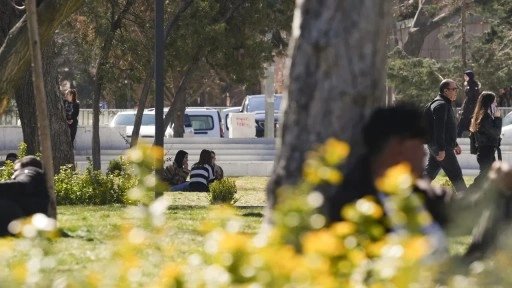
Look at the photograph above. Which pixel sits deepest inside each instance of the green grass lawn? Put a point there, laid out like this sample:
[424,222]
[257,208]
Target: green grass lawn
[92,229]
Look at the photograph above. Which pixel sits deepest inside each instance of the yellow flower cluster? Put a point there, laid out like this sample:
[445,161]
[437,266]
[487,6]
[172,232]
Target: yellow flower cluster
[298,251]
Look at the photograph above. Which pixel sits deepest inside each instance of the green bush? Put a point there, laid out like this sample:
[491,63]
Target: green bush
[7,171]
[223,192]
[92,187]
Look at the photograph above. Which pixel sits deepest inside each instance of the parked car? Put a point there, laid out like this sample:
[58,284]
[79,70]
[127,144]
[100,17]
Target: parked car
[147,127]
[256,104]
[206,121]
[507,120]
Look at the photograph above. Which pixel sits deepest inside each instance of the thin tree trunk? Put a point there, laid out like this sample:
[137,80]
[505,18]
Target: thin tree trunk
[150,73]
[99,78]
[42,112]
[464,43]
[336,78]
[178,106]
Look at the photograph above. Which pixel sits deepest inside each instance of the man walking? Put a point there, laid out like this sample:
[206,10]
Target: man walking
[442,143]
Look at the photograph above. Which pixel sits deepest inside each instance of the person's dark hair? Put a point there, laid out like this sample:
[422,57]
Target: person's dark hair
[73,94]
[204,158]
[472,83]
[178,159]
[400,121]
[483,104]
[445,84]
[11,157]
[28,161]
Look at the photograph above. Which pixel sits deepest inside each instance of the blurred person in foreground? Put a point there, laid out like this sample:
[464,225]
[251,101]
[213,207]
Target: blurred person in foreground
[396,135]
[25,194]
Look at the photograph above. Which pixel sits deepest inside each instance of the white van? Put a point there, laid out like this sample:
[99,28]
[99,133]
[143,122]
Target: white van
[147,127]
[206,121]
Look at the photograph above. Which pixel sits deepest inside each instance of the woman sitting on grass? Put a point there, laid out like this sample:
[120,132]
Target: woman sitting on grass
[176,173]
[201,174]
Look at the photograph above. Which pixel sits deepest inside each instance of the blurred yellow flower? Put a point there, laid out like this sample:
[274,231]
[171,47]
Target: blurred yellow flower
[342,229]
[20,272]
[93,279]
[233,242]
[368,207]
[170,273]
[323,242]
[335,151]
[396,180]
[374,249]
[416,248]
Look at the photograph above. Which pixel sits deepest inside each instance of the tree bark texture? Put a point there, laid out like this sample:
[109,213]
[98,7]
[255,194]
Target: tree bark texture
[99,78]
[26,102]
[14,53]
[336,78]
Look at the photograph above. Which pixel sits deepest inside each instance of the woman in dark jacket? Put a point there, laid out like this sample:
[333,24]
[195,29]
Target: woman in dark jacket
[72,109]
[176,173]
[486,124]
[468,107]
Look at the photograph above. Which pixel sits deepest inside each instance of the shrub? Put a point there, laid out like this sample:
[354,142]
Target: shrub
[92,187]
[8,170]
[223,192]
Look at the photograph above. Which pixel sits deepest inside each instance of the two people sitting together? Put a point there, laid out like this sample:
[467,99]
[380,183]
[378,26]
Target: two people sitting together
[202,173]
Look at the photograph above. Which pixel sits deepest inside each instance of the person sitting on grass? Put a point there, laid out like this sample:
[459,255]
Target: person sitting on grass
[217,170]
[25,194]
[10,157]
[177,172]
[202,173]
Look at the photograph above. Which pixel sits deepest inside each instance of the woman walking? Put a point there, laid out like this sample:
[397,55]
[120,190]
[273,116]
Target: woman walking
[486,125]
[472,91]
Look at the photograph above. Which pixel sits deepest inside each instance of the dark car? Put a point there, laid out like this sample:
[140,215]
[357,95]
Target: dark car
[256,104]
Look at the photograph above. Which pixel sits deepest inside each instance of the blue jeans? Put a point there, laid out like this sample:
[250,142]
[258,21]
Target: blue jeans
[180,187]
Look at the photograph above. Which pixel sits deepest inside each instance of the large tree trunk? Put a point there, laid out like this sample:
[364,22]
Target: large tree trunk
[14,53]
[25,99]
[336,78]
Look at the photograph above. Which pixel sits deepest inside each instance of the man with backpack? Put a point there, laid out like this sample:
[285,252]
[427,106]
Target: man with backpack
[442,139]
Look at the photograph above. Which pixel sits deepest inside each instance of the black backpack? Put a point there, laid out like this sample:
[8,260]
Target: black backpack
[428,117]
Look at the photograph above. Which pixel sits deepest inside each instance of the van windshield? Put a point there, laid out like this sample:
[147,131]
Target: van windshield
[129,119]
[258,104]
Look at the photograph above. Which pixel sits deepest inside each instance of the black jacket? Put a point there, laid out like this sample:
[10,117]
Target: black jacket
[358,183]
[28,190]
[488,134]
[445,128]
[72,110]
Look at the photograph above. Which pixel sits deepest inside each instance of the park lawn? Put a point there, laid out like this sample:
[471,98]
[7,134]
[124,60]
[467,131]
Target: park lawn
[92,230]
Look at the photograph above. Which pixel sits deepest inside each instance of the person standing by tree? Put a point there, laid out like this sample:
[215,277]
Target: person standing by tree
[472,91]
[72,109]
[486,125]
[442,144]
